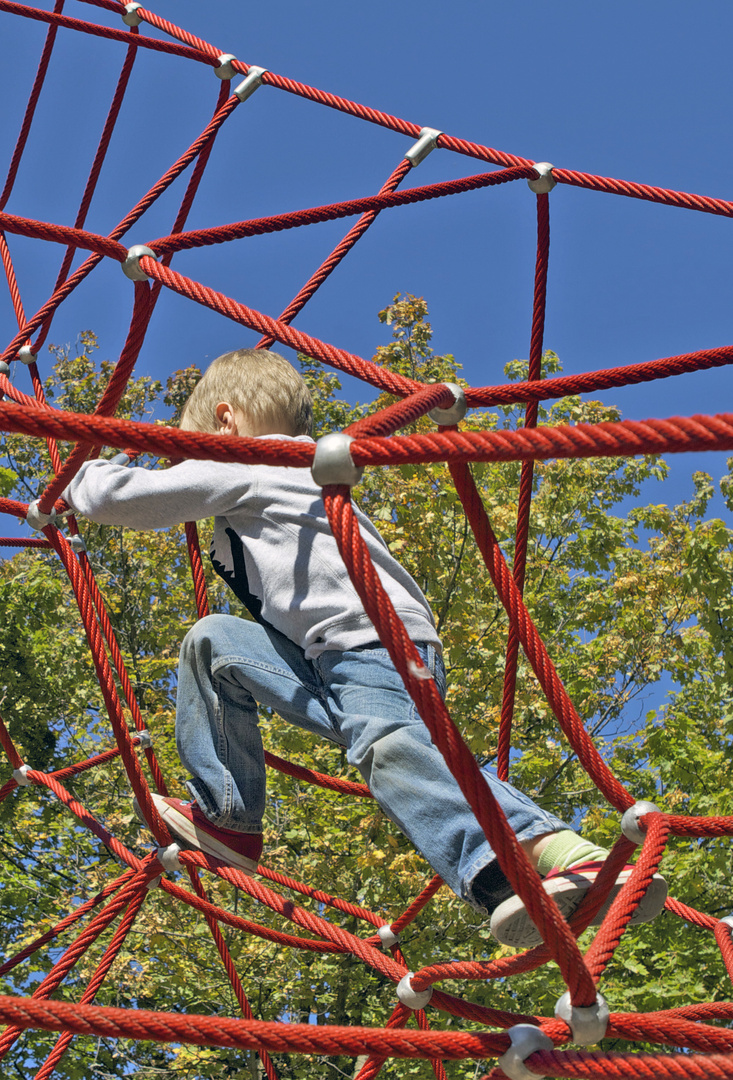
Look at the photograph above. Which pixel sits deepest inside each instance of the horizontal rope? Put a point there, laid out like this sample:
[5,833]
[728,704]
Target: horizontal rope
[104,31]
[280,222]
[631,190]
[202,1030]
[624,438]
[592,381]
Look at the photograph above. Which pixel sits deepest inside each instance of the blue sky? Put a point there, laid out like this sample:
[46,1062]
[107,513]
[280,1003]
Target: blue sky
[635,91]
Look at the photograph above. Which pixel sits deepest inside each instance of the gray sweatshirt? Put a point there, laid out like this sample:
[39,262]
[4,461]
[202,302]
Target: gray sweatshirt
[272,543]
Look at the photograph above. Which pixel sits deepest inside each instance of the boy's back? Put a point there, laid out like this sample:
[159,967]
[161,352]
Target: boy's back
[272,543]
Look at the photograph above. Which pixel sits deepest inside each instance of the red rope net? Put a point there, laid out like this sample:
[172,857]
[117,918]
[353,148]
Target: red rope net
[708,1049]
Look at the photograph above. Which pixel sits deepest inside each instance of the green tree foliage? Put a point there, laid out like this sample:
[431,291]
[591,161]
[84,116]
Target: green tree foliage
[633,600]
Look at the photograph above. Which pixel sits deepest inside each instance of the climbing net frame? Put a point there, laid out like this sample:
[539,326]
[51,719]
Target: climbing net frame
[708,1049]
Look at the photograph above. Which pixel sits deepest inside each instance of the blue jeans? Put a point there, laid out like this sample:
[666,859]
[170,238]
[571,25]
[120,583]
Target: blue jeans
[357,700]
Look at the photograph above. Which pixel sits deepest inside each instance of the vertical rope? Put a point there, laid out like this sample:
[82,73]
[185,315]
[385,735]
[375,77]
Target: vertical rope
[525,482]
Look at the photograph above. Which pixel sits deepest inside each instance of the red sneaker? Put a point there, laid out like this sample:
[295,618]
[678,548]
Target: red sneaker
[189,824]
[511,924]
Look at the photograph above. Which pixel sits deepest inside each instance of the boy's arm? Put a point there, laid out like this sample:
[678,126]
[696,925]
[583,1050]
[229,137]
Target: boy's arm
[154,499]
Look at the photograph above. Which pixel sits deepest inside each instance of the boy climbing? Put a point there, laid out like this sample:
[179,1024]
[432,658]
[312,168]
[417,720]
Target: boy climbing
[312,655]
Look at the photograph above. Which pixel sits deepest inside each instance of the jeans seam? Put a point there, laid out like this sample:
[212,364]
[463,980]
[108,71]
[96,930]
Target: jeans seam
[223,750]
[244,661]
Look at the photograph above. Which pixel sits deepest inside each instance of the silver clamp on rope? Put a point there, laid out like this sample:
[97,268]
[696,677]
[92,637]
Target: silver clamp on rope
[131,17]
[21,777]
[425,144]
[526,1040]
[630,822]
[387,936]
[4,368]
[36,519]
[145,739]
[131,266]
[727,921]
[77,545]
[154,883]
[454,412]
[545,182]
[225,69]
[413,999]
[252,82]
[588,1025]
[418,671]
[332,461]
[168,857]
[26,355]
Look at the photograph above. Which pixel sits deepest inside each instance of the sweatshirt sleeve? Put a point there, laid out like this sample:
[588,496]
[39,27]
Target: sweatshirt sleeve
[155,499]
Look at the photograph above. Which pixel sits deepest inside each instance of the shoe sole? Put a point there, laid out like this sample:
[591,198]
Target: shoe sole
[511,924]
[185,831]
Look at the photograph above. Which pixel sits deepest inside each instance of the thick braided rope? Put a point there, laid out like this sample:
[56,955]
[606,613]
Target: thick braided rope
[674,435]
[446,737]
[394,1041]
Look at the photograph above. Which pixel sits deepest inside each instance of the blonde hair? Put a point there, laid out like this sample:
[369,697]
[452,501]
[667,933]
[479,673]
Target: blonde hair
[262,385]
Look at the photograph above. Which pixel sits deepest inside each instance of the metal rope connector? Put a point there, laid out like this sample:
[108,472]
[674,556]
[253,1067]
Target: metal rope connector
[20,775]
[526,1040]
[26,355]
[545,182]
[131,17]
[225,69]
[36,519]
[412,999]
[424,145]
[145,739]
[154,883]
[168,857]
[4,368]
[588,1025]
[77,545]
[387,936]
[728,921]
[251,83]
[455,412]
[332,462]
[630,824]
[131,266]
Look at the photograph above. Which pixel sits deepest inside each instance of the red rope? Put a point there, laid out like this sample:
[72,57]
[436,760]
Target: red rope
[446,737]
[642,191]
[624,438]
[127,222]
[340,251]
[592,382]
[76,950]
[375,443]
[246,1035]
[110,955]
[76,915]
[533,645]
[330,783]
[92,179]
[280,222]
[525,483]
[31,107]
[125,36]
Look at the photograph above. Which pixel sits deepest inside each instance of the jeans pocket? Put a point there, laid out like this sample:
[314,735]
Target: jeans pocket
[434,663]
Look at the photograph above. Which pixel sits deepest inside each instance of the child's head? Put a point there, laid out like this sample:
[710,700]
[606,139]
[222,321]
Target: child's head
[261,385]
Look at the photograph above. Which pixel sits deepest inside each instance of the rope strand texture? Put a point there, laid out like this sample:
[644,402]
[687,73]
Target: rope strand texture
[375,444]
